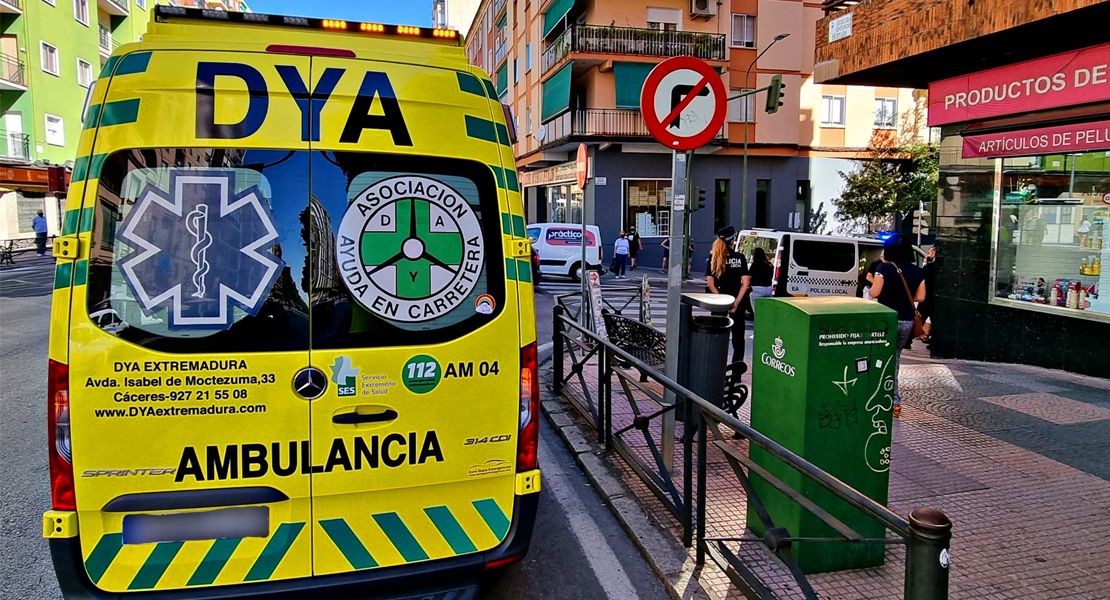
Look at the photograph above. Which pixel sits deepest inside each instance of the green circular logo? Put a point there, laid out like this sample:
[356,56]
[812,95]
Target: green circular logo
[421,374]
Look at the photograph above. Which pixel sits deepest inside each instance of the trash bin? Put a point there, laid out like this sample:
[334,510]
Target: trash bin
[822,385]
[703,345]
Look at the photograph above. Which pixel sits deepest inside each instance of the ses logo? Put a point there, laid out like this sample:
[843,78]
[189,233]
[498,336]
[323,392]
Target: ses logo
[344,377]
[776,362]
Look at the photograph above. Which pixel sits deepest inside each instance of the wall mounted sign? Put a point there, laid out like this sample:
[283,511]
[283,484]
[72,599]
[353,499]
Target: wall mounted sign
[1080,137]
[1067,79]
[840,28]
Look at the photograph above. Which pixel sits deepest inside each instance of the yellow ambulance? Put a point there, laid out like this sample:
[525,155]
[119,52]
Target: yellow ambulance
[293,346]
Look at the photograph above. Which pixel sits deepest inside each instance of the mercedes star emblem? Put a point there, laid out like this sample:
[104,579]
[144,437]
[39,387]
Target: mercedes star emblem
[310,383]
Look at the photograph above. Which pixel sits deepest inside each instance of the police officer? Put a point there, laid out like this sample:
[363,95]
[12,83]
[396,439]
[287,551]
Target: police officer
[728,274]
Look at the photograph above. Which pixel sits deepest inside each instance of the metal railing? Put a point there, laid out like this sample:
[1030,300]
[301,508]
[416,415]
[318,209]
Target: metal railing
[12,70]
[16,144]
[600,122]
[926,532]
[602,39]
[121,5]
[502,49]
[497,6]
[106,41]
[12,3]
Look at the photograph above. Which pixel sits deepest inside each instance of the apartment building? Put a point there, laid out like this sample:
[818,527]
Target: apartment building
[572,72]
[454,14]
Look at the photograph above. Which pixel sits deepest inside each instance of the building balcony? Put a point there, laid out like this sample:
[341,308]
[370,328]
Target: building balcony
[15,145]
[631,41]
[502,50]
[607,123]
[11,7]
[114,7]
[12,76]
[107,44]
[497,6]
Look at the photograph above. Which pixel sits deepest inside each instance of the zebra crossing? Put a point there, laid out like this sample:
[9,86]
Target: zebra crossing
[619,297]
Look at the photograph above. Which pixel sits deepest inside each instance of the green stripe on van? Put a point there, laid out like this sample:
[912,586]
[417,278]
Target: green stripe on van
[81,273]
[348,543]
[506,224]
[92,116]
[470,84]
[480,129]
[510,269]
[119,112]
[275,550]
[155,565]
[136,62]
[63,276]
[87,167]
[86,219]
[69,224]
[494,517]
[524,270]
[499,173]
[503,134]
[518,226]
[449,527]
[402,539]
[511,180]
[105,550]
[214,561]
[109,66]
[491,91]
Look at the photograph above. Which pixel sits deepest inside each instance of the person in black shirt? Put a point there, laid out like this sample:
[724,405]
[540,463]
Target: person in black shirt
[926,306]
[728,274]
[762,273]
[634,245]
[899,283]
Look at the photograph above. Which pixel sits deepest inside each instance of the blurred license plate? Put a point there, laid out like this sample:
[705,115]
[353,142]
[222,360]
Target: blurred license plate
[237,522]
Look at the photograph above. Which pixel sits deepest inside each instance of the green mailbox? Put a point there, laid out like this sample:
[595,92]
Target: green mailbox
[823,386]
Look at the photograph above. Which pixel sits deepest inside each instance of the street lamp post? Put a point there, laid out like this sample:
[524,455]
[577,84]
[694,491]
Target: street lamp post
[744,192]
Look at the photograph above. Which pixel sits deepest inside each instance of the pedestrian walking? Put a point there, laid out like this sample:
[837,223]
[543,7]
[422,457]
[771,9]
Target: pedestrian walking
[926,306]
[620,252]
[899,283]
[634,245]
[871,270]
[762,273]
[728,274]
[666,244]
[38,223]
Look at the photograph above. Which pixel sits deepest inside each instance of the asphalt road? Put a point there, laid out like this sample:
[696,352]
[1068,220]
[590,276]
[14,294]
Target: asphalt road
[578,549]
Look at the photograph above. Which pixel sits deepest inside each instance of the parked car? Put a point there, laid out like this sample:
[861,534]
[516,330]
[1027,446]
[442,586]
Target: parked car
[560,248]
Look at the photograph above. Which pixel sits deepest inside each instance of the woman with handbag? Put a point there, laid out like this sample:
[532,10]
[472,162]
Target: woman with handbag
[898,284]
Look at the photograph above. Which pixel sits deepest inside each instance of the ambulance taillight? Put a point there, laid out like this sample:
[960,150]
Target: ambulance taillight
[528,443]
[61,446]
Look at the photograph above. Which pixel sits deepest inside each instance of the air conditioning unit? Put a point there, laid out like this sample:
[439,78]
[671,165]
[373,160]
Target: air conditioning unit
[706,9]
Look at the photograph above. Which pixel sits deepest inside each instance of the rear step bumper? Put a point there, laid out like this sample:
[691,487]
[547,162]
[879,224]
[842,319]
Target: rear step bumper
[446,578]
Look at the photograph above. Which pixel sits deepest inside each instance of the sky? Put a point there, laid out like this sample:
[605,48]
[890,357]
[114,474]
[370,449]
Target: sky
[393,12]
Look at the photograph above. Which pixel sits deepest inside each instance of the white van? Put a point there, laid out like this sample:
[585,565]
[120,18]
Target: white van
[560,248]
[808,264]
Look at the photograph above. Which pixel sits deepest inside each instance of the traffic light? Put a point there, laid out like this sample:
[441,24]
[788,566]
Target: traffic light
[920,224]
[775,94]
[56,180]
[697,199]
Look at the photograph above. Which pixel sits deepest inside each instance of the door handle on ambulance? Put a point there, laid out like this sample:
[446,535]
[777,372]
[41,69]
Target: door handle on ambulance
[352,418]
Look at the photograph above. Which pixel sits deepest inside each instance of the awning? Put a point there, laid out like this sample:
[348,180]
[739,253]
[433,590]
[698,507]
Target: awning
[556,94]
[555,13]
[630,82]
[502,79]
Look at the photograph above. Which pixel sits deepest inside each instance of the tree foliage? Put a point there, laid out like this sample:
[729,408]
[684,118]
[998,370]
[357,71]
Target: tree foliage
[882,187]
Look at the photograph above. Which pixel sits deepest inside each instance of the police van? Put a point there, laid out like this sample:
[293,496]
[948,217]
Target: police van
[293,347]
[809,264]
[559,247]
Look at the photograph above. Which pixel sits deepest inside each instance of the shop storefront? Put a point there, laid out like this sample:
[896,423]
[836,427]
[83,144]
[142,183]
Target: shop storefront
[23,193]
[1024,212]
[552,195]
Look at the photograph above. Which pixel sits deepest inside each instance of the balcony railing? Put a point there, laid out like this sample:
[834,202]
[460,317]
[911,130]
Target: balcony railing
[11,71]
[15,145]
[599,122]
[107,44]
[499,54]
[497,6]
[11,5]
[600,39]
[114,7]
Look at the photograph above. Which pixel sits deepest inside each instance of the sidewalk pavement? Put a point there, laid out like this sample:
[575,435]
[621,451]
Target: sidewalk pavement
[1014,455]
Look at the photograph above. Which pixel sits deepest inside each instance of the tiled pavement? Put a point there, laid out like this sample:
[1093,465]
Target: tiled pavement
[1015,456]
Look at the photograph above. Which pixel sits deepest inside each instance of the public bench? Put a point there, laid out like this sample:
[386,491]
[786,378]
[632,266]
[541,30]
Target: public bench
[650,346]
[7,253]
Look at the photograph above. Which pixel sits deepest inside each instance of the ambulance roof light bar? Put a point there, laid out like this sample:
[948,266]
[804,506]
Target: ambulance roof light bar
[163,12]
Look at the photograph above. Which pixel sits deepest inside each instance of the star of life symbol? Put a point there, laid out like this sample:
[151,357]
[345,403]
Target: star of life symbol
[224,260]
[410,248]
[777,348]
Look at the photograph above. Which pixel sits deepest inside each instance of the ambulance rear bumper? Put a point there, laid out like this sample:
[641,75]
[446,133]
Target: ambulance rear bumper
[446,578]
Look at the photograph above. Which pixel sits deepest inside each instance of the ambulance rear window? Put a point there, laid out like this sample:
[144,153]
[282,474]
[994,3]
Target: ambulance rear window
[236,250]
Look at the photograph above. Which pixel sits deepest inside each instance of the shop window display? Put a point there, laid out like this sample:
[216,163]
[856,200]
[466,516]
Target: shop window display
[647,206]
[1053,213]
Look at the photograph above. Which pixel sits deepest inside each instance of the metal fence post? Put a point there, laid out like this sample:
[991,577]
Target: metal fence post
[557,348]
[927,556]
[687,407]
[604,385]
[702,441]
